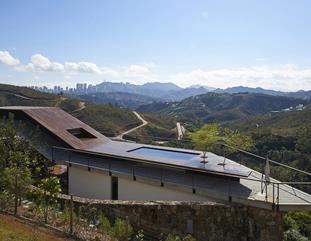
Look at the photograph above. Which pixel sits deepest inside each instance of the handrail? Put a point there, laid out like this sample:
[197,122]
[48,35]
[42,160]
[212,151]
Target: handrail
[263,158]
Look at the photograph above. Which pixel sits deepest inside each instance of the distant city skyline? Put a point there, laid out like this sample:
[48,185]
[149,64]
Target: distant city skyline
[212,43]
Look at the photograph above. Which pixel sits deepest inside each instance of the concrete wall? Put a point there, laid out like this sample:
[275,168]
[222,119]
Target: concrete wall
[89,184]
[96,184]
[136,190]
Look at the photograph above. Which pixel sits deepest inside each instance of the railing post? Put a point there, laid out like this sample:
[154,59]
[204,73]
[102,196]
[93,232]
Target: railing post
[278,197]
[273,196]
[162,184]
[266,187]
[71,214]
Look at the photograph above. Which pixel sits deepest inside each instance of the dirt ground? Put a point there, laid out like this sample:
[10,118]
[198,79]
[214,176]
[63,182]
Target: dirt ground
[14,229]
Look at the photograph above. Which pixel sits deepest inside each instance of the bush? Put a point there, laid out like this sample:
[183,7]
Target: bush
[172,237]
[122,230]
[294,235]
[140,235]
[104,224]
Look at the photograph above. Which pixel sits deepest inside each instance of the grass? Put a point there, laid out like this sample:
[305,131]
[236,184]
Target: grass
[13,229]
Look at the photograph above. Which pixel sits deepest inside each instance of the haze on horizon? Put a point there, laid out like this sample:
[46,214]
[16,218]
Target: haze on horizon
[219,44]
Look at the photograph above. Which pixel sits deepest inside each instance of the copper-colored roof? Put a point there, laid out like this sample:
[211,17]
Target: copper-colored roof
[59,122]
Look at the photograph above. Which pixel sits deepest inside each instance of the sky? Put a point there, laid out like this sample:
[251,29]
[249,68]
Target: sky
[263,43]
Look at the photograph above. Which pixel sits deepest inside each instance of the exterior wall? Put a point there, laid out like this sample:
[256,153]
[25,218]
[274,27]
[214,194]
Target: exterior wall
[135,190]
[97,185]
[87,184]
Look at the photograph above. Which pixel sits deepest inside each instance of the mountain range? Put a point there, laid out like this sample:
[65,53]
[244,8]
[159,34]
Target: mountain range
[133,96]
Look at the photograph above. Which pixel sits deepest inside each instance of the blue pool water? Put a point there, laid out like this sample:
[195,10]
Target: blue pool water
[147,151]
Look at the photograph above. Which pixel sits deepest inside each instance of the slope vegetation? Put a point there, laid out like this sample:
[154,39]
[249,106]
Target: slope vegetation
[212,107]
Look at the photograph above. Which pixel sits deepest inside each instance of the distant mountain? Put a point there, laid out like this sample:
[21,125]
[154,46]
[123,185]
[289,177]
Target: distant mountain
[172,92]
[122,99]
[259,90]
[156,90]
[215,107]
[203,86]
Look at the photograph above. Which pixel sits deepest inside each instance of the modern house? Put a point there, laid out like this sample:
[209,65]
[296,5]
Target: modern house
[101,168]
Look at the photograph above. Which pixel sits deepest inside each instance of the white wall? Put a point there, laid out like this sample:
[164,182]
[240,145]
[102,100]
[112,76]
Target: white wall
[89,184]
[93,184]
[135,190]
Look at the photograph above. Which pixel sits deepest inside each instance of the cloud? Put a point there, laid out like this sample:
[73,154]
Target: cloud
[286,77]
[281,77]
[8,59]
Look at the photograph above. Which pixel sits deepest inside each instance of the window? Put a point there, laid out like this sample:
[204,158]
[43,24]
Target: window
[81,133]
[114,188]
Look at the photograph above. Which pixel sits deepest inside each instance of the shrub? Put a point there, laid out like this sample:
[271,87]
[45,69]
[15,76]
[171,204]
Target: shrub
[104,224]
[140,235]
[122,230]
[172,237]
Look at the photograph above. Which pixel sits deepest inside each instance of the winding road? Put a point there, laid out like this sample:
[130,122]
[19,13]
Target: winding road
[120,137]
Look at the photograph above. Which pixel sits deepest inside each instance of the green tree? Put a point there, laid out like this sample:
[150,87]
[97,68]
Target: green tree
[303,144]
[15,159]
[210,137]
[46,194]
[16,181]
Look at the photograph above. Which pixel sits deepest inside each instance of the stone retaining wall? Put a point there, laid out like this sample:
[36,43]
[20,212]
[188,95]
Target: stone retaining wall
[205,221]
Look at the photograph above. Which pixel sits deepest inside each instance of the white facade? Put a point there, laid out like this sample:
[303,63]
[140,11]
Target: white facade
[94,184]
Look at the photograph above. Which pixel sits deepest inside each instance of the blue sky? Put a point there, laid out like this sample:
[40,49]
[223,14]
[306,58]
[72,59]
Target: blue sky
[215,43]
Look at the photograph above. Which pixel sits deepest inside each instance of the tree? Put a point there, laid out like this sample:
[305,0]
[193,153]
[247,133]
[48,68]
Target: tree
[15,159]
[16,181]
[303,144]
[46,194]
[211,136]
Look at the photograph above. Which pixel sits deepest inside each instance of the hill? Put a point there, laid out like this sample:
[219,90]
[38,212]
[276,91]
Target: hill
[282,123]
[258,90]
[107,119]
[213,107]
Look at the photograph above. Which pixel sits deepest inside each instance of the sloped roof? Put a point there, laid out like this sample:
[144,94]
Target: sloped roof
[59,122]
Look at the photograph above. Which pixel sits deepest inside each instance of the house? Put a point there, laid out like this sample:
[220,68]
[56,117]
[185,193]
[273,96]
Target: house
[101,168]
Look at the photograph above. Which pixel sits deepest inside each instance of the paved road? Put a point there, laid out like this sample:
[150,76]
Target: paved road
[81,107]
[180,131]
[120,137]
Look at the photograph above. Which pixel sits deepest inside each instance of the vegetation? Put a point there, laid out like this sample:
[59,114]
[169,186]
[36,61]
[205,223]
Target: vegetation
[222,108]
[46,194]
[297,226]
[213,137]
[172,237]
[159,128]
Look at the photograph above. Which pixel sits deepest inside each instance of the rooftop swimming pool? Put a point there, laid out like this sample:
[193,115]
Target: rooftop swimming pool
[178,155]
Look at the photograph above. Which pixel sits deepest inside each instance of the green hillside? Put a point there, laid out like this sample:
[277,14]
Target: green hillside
[105,118]
[212,107]
[282,123]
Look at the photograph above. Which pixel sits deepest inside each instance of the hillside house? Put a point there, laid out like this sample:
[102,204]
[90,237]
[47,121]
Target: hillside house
[101,168]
